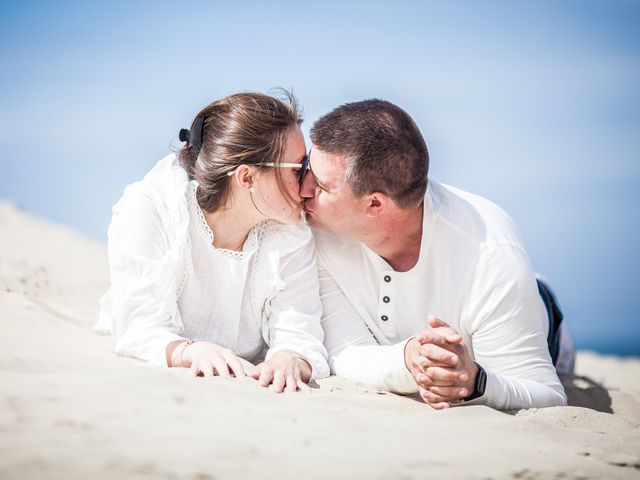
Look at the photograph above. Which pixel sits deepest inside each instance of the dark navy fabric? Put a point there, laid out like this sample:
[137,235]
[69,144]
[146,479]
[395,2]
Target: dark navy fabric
[555,318]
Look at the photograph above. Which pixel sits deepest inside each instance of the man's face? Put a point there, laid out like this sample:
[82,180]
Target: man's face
[328,199]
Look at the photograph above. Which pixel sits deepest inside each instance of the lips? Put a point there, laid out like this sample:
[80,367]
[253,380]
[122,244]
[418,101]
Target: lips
[305,206]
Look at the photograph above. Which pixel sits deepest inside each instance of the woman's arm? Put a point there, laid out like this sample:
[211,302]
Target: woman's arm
[295,333]
[145,320]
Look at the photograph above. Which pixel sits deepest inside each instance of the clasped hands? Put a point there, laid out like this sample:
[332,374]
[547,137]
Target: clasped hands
[285,371]
[440,365]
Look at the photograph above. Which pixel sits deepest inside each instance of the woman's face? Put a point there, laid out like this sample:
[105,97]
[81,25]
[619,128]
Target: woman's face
[268,197]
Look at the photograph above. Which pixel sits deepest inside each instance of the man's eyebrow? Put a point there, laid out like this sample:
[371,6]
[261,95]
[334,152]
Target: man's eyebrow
[322,185]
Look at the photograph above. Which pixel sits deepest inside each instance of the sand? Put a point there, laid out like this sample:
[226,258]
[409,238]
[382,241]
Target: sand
[71,409]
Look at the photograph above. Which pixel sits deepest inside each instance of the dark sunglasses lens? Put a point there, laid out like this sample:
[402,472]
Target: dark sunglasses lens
[304,167]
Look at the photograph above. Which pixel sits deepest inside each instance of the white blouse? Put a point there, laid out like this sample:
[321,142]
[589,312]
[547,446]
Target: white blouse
[168,281]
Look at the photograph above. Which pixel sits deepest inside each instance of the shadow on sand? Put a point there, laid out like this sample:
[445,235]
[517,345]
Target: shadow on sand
[584,392]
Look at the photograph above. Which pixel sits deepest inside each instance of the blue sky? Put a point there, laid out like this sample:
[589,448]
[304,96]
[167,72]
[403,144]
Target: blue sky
[534,105]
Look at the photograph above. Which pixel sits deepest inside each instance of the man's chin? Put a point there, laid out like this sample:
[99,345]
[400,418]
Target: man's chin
[309,217]
[313,220]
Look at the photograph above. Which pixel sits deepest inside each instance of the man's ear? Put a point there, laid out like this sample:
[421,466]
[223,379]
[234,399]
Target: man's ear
[377,203]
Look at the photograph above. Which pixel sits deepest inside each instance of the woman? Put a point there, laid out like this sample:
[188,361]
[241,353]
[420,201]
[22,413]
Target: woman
[210,262]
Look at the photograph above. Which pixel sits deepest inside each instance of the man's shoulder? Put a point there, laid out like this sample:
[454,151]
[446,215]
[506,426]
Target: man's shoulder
[334,248]
[326,239]
[478,218]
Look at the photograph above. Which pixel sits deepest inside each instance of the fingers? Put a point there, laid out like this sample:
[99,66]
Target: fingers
[283,372]
[266,375]
[444,328]
[203,368]
[250,370]
[435,322]
[303,387]
[433,400]
[255,371]
[208,359]
[445,376]
[279,380]
[433,354]
[451,394]
[220,365]
[441,377]
[292,383]
[234,363]
[445,337]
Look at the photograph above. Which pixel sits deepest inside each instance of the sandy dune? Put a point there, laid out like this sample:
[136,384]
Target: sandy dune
[71,409]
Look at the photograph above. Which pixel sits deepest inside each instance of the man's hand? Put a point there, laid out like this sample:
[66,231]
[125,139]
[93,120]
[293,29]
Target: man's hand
[440,364]
[286,371]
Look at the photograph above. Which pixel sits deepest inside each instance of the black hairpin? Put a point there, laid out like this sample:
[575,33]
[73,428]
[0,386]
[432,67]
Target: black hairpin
[184,135]
[194,135]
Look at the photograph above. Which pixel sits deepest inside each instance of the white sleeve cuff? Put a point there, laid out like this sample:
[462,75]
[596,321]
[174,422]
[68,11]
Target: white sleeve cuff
[398,378]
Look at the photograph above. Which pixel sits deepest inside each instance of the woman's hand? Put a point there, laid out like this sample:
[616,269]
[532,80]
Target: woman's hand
[287,372]
[208,359]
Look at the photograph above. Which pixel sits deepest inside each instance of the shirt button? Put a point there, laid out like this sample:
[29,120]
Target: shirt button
[387,278]
[386,299]
[384,318]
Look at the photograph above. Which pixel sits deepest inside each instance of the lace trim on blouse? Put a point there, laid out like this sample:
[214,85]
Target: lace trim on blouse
[251,244]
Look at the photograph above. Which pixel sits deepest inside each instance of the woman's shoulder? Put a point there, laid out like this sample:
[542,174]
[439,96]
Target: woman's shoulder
[158,202]
[163,186]
[165,178]
[286,238]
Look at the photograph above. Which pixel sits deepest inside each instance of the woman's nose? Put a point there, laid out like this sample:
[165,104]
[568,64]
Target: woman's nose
[308,187]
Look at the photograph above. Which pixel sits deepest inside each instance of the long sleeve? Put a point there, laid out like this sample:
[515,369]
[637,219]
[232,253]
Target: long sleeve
[504,320]
[472,272]
[507,327]
[353,351]
[138,251]
[294,317]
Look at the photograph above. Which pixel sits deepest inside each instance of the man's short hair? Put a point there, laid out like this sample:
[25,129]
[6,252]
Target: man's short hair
[383,146]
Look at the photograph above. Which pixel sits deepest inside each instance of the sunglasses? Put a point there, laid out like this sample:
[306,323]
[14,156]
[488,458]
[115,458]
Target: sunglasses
[304,167]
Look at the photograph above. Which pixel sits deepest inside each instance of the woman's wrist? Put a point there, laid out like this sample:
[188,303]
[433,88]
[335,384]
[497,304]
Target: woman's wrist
[304,366]
[176,353]
[171,350]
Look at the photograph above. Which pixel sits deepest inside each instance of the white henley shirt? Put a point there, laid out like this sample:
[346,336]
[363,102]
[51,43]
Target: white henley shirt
[473,273]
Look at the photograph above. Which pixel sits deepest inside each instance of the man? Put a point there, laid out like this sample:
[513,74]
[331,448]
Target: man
[395,253]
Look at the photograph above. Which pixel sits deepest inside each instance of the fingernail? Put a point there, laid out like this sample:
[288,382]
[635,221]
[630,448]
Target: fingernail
[462,392]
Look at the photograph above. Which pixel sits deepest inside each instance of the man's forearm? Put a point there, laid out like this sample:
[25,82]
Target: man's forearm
[381,366]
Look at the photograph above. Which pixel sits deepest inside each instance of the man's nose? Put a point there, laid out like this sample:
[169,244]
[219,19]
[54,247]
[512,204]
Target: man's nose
[308,187]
